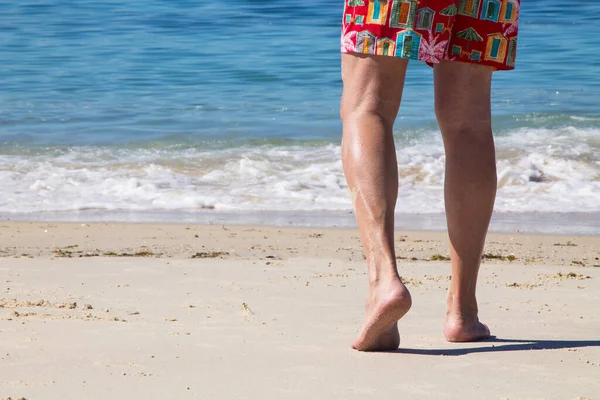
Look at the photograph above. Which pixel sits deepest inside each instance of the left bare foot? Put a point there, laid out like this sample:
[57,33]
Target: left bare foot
[387,303]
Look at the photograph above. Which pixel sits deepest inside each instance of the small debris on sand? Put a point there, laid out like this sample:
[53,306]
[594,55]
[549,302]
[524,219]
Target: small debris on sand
[498,257]
[570,275]
[411,281]
[522,285]
[210,254]
[247,309]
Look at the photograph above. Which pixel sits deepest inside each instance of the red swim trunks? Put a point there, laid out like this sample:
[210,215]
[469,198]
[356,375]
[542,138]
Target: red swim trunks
[474,31]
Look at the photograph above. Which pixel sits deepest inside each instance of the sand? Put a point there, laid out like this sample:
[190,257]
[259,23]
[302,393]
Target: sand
[140,311]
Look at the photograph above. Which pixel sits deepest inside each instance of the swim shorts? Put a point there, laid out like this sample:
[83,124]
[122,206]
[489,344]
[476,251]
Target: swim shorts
[474,31]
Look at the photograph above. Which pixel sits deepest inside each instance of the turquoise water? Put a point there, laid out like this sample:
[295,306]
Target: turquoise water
[233,107]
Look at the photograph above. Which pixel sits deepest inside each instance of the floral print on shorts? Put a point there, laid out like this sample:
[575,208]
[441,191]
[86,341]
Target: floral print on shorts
[474,31]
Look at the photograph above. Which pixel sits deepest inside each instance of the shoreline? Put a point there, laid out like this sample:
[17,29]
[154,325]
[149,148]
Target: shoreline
[545,223]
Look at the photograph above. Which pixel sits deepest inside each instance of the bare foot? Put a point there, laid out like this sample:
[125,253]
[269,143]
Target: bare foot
[459,329]
[387,303]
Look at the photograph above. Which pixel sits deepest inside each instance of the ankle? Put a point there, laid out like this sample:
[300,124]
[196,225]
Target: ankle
[384,278]
[461,308]
[382,270]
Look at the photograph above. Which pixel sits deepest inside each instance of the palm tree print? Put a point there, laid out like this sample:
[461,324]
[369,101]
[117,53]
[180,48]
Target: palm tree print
[348,40]
[430,50]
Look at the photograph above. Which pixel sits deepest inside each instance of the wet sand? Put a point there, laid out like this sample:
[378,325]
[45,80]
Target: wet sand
[185,311]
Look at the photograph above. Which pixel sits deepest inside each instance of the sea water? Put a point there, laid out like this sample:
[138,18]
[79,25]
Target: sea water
[228,111]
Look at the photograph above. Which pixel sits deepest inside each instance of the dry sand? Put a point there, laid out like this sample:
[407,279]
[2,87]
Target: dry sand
[126,311]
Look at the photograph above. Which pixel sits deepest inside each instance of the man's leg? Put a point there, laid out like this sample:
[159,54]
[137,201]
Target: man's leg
[462,105]
[370,102]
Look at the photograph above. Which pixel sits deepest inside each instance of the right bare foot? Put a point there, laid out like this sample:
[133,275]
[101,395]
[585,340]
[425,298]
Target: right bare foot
[387,303]
[460,329]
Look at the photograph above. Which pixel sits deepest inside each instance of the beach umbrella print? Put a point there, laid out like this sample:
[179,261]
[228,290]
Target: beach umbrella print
[449,12]
[470,35]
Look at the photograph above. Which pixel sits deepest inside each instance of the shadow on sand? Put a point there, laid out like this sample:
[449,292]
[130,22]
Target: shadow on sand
[504,345]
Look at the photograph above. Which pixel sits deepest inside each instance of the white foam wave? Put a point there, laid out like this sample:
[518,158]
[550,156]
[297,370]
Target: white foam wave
[578,118]
[539,170]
